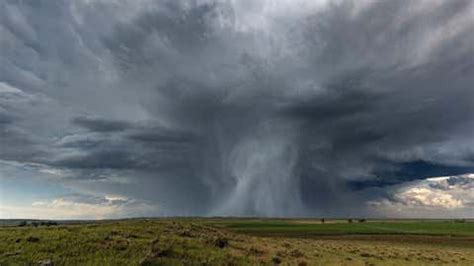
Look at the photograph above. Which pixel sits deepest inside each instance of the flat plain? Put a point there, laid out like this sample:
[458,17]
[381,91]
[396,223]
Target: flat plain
[238,241]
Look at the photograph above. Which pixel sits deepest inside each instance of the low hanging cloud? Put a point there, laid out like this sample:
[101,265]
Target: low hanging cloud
[274,108]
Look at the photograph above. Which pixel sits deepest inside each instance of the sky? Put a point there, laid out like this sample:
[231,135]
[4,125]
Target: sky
[132,108]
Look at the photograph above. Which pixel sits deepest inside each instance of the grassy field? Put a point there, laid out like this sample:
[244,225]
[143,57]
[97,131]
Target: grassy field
[240,242]
[316,228]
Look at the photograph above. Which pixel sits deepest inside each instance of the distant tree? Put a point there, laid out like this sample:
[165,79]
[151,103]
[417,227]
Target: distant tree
[48,223]
[23,223]
[349,221]
[35,224]
[362,220]
[322,220]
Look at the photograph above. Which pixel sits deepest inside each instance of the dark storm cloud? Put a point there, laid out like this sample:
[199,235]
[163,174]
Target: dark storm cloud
[6,119]
[137,147]
[101,125]
[406,172]
[237,109]
[162,136]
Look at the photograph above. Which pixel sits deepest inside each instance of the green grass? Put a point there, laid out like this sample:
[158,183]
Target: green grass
[289,228]
[74,244]
[132,242]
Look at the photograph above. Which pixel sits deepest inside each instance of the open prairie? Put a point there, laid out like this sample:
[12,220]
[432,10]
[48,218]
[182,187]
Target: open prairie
[195,241]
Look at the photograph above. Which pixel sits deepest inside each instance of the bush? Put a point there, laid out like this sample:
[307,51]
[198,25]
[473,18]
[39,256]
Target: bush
[276,260]
[221,242]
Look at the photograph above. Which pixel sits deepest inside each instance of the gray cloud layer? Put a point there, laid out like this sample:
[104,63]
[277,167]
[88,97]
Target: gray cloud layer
[235,108]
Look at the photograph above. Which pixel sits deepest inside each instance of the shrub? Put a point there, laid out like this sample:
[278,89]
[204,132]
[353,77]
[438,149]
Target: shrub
[221,242]
[276,260]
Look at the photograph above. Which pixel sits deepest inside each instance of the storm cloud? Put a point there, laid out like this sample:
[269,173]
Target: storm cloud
[270,108]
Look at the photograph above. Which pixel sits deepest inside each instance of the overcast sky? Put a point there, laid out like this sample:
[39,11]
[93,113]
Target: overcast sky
[127,108]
